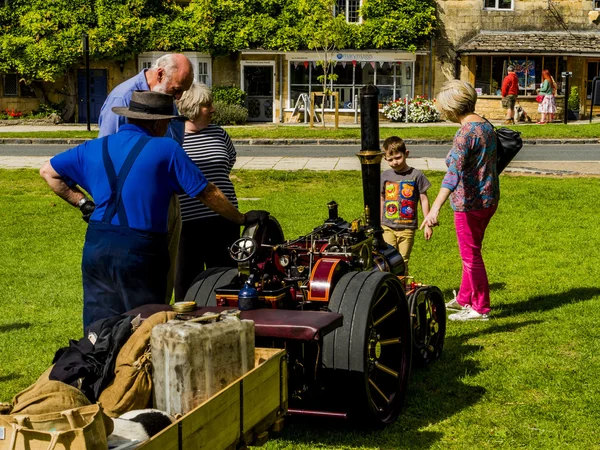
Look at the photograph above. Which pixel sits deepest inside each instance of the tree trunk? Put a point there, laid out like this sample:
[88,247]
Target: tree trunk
[38,89]
[70,92]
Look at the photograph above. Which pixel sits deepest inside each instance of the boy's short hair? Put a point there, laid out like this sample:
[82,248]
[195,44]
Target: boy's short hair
[394,144]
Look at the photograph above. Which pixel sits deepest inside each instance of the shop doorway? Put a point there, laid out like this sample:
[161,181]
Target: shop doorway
[98,93]
[258,83]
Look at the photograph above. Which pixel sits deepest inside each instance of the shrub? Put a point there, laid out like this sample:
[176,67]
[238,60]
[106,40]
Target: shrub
[395,110]
[420,109]
[10,114]
[230,95]
[226,114]
[573,101]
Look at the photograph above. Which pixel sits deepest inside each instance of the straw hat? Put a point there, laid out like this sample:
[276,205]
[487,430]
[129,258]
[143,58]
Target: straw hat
[148,105]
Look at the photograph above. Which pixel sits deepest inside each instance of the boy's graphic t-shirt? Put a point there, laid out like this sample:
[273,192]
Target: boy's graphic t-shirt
[401,192]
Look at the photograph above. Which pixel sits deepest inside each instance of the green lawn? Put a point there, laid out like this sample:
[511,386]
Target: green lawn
[528,378]
[529,131]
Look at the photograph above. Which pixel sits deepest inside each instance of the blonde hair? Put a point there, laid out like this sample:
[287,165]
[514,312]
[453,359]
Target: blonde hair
[197,96]
[457,98]
[393,145]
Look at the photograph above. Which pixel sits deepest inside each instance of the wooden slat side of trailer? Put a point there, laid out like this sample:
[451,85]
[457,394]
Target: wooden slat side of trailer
[237,414]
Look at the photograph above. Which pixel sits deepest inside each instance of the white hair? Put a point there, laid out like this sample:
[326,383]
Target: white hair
[456,98]
[197,96]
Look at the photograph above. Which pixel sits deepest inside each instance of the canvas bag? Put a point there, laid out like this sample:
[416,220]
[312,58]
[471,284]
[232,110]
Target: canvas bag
[132,386]
[509,143]
[73,429]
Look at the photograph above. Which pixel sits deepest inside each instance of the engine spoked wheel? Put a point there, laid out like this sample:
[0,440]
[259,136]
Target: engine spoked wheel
[202,290]
[243,249]
[428,317]
[370,355]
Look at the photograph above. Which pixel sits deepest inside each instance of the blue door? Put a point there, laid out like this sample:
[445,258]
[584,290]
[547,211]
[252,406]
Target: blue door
[98,93]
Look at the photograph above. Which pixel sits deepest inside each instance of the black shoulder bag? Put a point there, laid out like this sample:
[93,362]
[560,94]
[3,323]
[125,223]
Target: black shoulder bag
[509,143]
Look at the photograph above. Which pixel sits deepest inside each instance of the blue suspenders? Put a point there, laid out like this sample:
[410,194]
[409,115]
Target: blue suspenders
[116,182]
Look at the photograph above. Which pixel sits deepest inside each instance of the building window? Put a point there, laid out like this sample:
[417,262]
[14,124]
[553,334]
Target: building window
[349,9]
[147,64]
[491,70]
[203,72]
[596,4]
[10,85]
[498,4]
[392,78]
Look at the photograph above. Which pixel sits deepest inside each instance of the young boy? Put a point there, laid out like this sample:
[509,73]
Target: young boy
[402,187]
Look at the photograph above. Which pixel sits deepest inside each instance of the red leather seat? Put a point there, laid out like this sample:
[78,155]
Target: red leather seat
[271,323]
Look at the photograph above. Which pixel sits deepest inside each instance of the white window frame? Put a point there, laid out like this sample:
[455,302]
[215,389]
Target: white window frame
[148,59]
[204,76]
[347,11]
[496,8]
[356,86]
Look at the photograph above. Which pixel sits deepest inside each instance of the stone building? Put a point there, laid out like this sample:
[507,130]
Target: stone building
[478,39]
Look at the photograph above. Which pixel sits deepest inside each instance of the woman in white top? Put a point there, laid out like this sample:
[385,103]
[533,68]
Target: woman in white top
[205,236]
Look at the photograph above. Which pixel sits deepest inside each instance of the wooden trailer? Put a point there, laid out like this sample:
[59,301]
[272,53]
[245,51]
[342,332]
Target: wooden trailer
[243,413]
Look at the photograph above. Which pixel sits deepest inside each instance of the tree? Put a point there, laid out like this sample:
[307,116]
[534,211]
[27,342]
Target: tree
[327,34]
[401,24]
[41,39]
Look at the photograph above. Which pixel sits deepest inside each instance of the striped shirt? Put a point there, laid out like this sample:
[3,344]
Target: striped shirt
[213,152]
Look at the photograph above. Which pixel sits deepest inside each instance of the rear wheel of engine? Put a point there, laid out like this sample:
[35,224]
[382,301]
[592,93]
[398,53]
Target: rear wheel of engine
[428,316]
[368,359]
[202,290]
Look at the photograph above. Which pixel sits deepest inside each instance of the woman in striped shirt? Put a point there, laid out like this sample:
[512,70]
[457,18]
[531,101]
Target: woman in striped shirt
[205,236]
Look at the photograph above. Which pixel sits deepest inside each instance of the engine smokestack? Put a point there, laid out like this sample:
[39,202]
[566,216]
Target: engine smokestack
[370,159]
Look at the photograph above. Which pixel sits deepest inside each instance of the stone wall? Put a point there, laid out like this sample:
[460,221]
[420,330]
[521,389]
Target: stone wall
[491,108]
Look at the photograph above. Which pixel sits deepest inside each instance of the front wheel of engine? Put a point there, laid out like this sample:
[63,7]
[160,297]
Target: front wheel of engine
[369,357]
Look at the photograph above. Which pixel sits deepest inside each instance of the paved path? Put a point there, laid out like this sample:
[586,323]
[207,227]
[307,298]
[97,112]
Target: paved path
[557,168]
[591,168]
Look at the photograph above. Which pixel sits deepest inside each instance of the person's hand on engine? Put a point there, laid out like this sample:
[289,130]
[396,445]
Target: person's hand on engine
[256,215]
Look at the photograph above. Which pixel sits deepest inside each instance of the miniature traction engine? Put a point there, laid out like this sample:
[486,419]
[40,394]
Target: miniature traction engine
[338,300]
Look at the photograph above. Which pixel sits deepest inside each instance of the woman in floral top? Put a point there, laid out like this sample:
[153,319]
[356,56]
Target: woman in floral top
[471,183]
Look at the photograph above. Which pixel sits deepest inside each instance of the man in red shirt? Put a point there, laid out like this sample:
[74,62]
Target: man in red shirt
[510,90]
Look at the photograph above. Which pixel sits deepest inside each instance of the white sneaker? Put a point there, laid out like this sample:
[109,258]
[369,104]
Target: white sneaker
[454,305]
[467,315]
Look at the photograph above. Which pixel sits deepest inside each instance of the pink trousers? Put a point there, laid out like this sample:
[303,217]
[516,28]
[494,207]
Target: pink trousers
[470,230]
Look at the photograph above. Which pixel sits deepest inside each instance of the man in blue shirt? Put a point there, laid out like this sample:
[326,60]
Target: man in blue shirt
[172,74]
[131,176]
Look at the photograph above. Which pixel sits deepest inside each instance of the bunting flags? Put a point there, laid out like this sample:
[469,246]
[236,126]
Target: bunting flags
[373,64]
[306,64]
[354,63]
[381,64]
[363,64]
[343,64]
[295,64]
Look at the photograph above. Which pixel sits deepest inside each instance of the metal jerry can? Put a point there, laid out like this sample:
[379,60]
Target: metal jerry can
[193,360]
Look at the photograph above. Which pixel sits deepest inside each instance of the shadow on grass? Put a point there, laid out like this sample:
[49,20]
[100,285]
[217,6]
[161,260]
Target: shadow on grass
[10,377]
[14,326]
[449,294]
[435,393]
[541,303]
